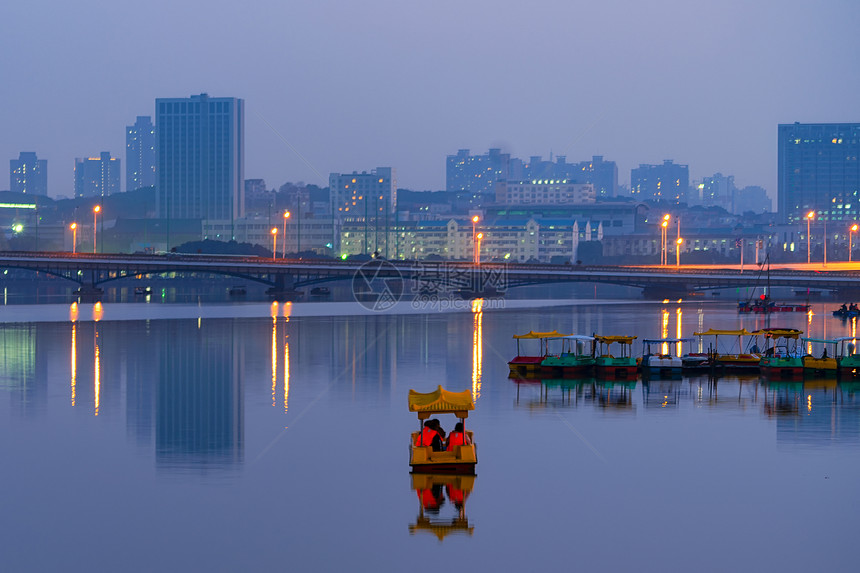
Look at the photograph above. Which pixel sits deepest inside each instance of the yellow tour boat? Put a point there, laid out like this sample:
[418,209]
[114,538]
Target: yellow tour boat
[460,458]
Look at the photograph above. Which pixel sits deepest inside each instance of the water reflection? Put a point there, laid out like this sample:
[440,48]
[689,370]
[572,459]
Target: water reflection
[199,406]
[435,492]
[477,347]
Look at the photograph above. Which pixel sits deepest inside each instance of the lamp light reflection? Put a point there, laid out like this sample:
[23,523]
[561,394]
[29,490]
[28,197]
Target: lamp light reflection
[664,332]
[97,383]
[477,347]
[678,314]
[274,355]
[98,311]
[74,359]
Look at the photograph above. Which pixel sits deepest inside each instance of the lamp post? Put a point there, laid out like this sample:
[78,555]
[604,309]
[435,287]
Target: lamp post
[74,228]
[96,210]
[284,253]
[475,220]
[809,217]
[479,237]
[664,233]
[274,243]
[678,243]
[851,232]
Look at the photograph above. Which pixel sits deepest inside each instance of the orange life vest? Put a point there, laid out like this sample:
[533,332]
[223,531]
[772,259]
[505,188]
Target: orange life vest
[456,439]
[426,437]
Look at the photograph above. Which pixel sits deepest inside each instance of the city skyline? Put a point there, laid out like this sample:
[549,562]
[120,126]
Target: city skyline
[705,85]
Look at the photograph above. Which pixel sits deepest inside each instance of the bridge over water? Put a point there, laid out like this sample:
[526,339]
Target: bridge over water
[94,271]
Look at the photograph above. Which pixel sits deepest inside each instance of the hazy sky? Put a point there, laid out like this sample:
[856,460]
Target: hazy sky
[356,85]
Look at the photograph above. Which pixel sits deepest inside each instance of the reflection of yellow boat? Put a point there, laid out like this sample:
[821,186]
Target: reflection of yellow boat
[432,490]
[461,458]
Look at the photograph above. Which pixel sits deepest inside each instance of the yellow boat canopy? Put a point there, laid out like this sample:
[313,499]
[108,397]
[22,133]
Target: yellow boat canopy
[440,401]
[619,339]
[533,334]
[712,332]
[779,332]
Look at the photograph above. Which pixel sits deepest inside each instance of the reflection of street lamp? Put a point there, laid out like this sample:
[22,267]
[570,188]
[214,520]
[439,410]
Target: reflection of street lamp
[678,243]
[74,228]
[479,236]
[475,220]
[284,253]
[96,210]
[809,217]
[274,242]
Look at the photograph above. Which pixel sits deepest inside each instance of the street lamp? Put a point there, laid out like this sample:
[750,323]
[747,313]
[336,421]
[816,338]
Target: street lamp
[479,236]
[664,233]
[274,242]
[851,232]
[475,220]
[74,228]
[96,210]
[678,243]
[284,253]
[809,217]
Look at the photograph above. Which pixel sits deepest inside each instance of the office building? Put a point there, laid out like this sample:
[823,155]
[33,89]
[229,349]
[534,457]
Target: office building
[818,170]
[543,192]
[200,158]
[140,154]
[476,174]
[366,198]
[28,174]
[97,176]
[668,182]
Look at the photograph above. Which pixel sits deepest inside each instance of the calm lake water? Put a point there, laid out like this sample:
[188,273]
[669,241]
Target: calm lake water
[254,437]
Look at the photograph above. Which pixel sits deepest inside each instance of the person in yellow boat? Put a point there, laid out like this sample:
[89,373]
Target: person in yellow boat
[429,436]
[458,437]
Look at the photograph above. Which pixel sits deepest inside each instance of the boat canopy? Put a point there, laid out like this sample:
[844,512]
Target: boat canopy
[670,340]
[533,334]
[822,340]
[612,339]
[844,338]
[440,401]
[715,332]
[792,333]
[581,337]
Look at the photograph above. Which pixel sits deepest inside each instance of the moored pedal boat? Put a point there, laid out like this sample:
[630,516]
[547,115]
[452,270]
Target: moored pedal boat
[529,364]
[781,357]
[568,356]
[622,364]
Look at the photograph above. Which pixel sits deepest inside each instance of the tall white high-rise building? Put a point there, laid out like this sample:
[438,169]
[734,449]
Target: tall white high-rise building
[140,154]
[200,158]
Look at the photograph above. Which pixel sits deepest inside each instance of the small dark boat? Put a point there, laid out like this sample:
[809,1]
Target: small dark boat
[320,291]
[142,290]
[237,290]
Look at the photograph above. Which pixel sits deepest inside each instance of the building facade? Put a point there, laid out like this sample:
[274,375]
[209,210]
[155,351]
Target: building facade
[200,158]
[28,174]
[366,199]
[97,176]
[544,192]
[476,174]
[140,142]
[818,170]
[668,182]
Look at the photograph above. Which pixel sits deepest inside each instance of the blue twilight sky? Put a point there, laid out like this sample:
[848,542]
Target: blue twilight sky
[355,85]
